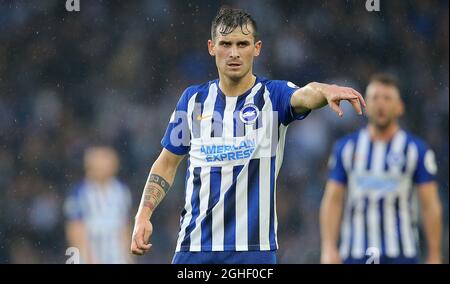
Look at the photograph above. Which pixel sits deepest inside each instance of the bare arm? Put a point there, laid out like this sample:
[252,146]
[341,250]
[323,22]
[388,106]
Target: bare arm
[158,183]
[77,237]
[317,95]
[330,221]
[432,220]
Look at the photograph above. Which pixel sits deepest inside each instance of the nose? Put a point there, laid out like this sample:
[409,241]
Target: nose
[234,52]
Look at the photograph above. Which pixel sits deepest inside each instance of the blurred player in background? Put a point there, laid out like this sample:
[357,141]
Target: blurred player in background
[98,210]
[373,173]
[233,129]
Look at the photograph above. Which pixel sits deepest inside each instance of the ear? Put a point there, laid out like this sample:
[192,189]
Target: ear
[211,48]
[258,46]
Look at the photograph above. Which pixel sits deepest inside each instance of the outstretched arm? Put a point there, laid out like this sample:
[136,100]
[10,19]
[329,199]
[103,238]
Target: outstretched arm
[317,95]
[158,183]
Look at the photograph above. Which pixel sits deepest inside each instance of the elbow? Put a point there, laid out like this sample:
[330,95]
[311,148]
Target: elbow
[166,164]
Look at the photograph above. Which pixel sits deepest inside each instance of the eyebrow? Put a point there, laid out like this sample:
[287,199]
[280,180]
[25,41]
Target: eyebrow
[239,42]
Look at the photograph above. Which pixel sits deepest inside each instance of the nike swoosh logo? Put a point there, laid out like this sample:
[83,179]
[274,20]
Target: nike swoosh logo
[200,117]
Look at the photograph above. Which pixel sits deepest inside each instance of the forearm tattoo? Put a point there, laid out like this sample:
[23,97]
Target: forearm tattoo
[154,191]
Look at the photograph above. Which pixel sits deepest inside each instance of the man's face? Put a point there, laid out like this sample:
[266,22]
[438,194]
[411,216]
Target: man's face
[234,52]
[384,105]
[101,163]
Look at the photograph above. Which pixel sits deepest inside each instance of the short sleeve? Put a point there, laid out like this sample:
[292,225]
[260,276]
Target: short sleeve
[336,167]
[72,206]
[426,168]
[177,136]
[281,93]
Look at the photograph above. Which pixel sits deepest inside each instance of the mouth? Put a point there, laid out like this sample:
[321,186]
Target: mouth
[234,65]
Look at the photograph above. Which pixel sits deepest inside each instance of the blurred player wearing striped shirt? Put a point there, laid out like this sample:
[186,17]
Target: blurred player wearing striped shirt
[233,129]
[378,176]
[98,211]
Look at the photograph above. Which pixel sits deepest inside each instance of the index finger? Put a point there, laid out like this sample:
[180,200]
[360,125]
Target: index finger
[139,238]
[360,97]
[135,249]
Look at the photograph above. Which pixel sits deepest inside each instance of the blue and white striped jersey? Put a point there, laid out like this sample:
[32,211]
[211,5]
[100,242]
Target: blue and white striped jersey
[235,147]
[105,212]
[381,205]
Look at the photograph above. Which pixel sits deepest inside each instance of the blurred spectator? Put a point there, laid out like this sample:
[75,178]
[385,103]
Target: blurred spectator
[98,211]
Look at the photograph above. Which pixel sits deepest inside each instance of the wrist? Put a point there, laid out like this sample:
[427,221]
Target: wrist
[321,93]
[144,213]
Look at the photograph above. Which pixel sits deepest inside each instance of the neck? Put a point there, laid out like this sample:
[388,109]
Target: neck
[235,88]
[383,134]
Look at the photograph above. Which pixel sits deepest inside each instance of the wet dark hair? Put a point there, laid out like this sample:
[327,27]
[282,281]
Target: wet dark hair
[228,19]
[385,79]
